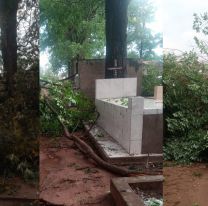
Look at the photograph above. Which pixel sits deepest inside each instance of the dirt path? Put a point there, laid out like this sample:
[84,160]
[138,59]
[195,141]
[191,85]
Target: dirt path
[67,177]
[186,185]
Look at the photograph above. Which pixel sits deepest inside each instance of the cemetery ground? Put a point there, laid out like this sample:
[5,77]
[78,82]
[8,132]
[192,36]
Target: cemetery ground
[185,185]
[68,177]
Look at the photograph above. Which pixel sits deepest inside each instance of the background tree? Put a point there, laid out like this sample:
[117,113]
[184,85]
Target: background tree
[19,102]
[200,25]
[141,40]
[70,29]
[77,28]
[8,25]
[186,100]
[28,35]
[185,108]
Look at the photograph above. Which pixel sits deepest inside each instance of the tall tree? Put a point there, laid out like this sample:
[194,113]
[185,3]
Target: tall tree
[116,37]
[8,25]
[71,28]
[19,103]
[141,40]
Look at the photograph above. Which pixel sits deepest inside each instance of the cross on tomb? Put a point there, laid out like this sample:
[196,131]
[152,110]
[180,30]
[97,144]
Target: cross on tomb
[115,69]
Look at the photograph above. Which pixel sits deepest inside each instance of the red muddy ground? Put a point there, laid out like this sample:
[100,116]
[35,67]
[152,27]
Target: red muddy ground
[186,185]
[17,192]
[67,177]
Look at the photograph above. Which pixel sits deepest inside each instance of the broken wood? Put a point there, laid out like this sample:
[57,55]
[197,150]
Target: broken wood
[84,147]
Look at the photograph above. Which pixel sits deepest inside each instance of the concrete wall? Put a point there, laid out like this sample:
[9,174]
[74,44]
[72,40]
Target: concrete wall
[152,135]
[115,88]
[138,127]
[122,122]
[90,70]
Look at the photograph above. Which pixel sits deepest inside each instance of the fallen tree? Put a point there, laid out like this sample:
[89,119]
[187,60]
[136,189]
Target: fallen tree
[70,110]
[85,148]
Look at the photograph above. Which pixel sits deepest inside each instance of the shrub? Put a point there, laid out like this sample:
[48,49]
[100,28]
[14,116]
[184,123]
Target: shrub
[72,106]
[151,79]
[19,127]
[185,108]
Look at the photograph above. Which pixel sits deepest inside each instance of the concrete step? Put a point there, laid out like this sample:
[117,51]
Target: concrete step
[110,150]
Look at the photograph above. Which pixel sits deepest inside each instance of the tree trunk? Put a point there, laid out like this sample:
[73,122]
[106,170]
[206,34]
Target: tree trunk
[141,50]
[116,37]
[8,24]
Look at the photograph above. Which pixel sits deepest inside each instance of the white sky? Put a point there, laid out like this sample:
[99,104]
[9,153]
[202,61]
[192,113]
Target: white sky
[178,19]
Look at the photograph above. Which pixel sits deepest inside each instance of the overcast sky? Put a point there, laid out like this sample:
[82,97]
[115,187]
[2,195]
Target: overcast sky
[177,16]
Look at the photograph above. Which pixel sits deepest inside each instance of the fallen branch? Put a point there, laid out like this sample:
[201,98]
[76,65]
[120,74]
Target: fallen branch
[84,147]
[92,125]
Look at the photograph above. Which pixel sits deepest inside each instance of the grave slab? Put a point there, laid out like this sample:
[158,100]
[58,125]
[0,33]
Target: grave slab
[111,151]
[123,193]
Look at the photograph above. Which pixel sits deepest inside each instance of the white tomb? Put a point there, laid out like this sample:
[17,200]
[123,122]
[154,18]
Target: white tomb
[121,111]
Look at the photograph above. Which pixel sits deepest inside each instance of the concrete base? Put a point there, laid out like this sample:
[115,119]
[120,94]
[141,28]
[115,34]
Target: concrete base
[112,152]
[124,195]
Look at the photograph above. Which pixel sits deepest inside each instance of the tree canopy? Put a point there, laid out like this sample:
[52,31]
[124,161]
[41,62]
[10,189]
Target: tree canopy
[200,25]
[19,87]
[141,40]
[71,28]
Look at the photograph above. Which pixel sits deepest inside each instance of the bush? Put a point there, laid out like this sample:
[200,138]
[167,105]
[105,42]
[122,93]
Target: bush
[150,80]
[19,127]
[185,108]
[72,106]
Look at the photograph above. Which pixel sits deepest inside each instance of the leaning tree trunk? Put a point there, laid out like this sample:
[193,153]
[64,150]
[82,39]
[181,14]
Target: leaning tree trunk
[116,37]
[8,24]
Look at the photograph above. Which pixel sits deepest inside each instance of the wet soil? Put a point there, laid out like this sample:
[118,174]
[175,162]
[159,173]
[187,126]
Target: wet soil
[68,177]
[186,185]
[16,192]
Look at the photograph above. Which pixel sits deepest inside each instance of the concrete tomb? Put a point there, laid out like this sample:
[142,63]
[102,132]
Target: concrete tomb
[135,122]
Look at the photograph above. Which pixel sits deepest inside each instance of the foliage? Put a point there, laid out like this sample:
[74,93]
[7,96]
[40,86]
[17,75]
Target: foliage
[28,34]
[153,202]
[70,28]
[141,40]
[152,78]
[72,106]
[200,25]
[19,126]
[185,108]
[19,148]
[191,148]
